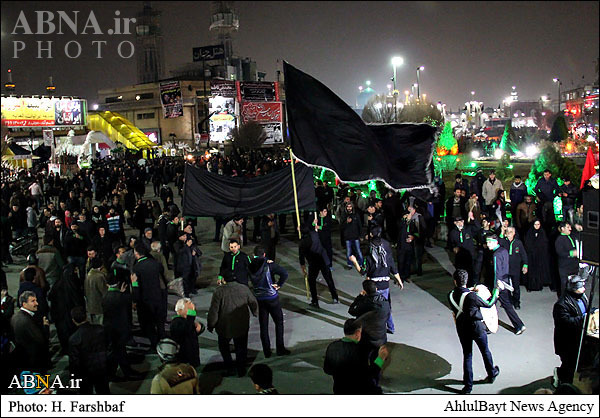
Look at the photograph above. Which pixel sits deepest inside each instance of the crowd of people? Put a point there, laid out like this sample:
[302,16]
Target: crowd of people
[100,287]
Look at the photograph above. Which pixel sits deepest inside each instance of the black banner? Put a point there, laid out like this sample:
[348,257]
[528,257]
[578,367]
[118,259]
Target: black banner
[209,194]
[207,53]
[258,92]
[223,88]
[326,132]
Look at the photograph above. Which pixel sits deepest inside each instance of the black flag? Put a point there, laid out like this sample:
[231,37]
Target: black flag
[209,194]
[326,132]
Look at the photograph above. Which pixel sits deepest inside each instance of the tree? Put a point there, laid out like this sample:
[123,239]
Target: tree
[446,143]
[559,131]
[508,143]
[550,159]
[379,109]
[421,113]
[249,136]
[504,169]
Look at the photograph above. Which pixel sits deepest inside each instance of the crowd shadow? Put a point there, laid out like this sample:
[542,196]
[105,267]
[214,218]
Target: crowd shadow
[529,388]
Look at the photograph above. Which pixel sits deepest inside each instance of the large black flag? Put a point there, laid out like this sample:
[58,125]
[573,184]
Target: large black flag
[326,132]
[209,194]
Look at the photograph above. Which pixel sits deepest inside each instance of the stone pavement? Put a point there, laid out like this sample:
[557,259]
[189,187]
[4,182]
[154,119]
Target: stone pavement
[425,358]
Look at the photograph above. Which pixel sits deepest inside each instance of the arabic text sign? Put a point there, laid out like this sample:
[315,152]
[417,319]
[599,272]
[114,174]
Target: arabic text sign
[224,88]
[207,53]
[259,91]
[46,111]
[262,112]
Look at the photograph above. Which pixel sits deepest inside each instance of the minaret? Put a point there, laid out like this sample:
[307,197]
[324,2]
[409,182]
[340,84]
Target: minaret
[149,48]
[224,22]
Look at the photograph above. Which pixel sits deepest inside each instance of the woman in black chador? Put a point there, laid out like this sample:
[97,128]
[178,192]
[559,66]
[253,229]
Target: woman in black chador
[536,245]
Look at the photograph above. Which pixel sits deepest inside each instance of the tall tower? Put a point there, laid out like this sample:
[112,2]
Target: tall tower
[149,49]
[224,22]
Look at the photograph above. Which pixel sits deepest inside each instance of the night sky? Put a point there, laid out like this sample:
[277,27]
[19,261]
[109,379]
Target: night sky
[485,47]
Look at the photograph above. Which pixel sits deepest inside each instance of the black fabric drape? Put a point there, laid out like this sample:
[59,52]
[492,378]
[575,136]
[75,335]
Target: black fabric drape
[209,194]
[326,132]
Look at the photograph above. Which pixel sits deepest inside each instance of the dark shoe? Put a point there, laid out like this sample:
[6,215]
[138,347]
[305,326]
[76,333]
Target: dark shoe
[490,379]
[335,301]
[521,330]
[389,331]
[348,267]
[268,354]
[465,390]
[315,305]
[283,352]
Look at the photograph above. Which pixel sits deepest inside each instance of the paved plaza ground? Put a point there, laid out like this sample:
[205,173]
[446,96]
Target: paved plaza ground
[425,358]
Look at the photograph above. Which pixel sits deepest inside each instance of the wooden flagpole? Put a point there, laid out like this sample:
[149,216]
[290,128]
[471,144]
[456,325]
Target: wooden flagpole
[298,214]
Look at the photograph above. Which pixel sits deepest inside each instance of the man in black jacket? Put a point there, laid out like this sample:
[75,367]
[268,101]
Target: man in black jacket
[568,193]
[75,249]
[147,294]
[311,250]
[323,227]
[462,241]
[234,266]
[185,331]
[269,234]
[31,336]
[465,306]
[116,307]
[517,262]
[348,362]
[569,314]
[266,293]
[566,251]
[351,228]
[88,354]
[65,295]
[455,208]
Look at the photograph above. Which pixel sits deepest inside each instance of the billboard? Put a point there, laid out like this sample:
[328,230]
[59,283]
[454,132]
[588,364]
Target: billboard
[274,132]
[45,111]
[262,112]
[207,53]
[153,135]
[223,88]
[222,118]
[171,99]
[259,91]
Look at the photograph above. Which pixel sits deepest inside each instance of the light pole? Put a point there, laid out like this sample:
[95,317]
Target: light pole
[396,62]
[557,81]
[419,69]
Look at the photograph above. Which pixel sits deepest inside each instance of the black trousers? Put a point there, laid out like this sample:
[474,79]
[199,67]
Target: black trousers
[466,337]
[265,308]
[117,356]
[99,383]
[313,273]
[516,295]
[506,301]
[566,371]
[405,258]
[241,351]
[418,259]
[152,322]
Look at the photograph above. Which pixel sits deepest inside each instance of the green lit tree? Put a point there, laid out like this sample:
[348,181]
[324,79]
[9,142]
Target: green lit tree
[550,158]
[559,131]
[446,143]
[504,169]
[508,143]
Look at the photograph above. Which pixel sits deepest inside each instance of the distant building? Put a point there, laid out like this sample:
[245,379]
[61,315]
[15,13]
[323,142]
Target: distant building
[149,49]
[580,106]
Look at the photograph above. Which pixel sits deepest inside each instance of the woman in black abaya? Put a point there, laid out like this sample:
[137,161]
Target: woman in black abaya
[536,245]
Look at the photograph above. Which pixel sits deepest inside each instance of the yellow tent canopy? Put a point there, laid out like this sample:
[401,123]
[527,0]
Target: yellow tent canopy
[119,129]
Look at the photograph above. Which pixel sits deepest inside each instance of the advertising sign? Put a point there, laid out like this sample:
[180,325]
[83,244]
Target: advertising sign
[222,119]
[274,132]
[262,112]
[153,135]
[48,135]
[207,53]
[46,111]
[171,99]
[259,91]
[223,88]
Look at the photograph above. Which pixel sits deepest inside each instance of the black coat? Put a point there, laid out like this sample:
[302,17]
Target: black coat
[31,340]
[239,272]
[450,206]
[350,230]
[148,289]
[517,256]
[373,311]
[567,265]
[536,245]
[88,351]
[568,324]
[183,332]
[353,374]
[116,306]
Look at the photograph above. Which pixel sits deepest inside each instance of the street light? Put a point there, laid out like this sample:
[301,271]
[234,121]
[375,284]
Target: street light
[557,81]
[419,69]
[396,62]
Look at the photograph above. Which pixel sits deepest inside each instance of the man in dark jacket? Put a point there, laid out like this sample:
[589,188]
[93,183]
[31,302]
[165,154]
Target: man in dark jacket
[87,354]
[116,306]
[465,306]
[185,330]
[311,250]
[148,296]
[269,234]
[351,228]
[187,266]
[65,295]
[75,249]
[518,191]
[229,314]
[568,193]
[455,208]
[501,269]
[31,336]
[517,259]
[28,285]
[348,362]
[569,316]
[103,244]
[266,293]
[545,189]
[323,226]
[566,251]
[462,241]
[234,266]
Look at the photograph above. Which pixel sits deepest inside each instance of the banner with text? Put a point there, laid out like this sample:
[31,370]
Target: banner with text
[259,91]
[171,99]
[262,112]
[223,88]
